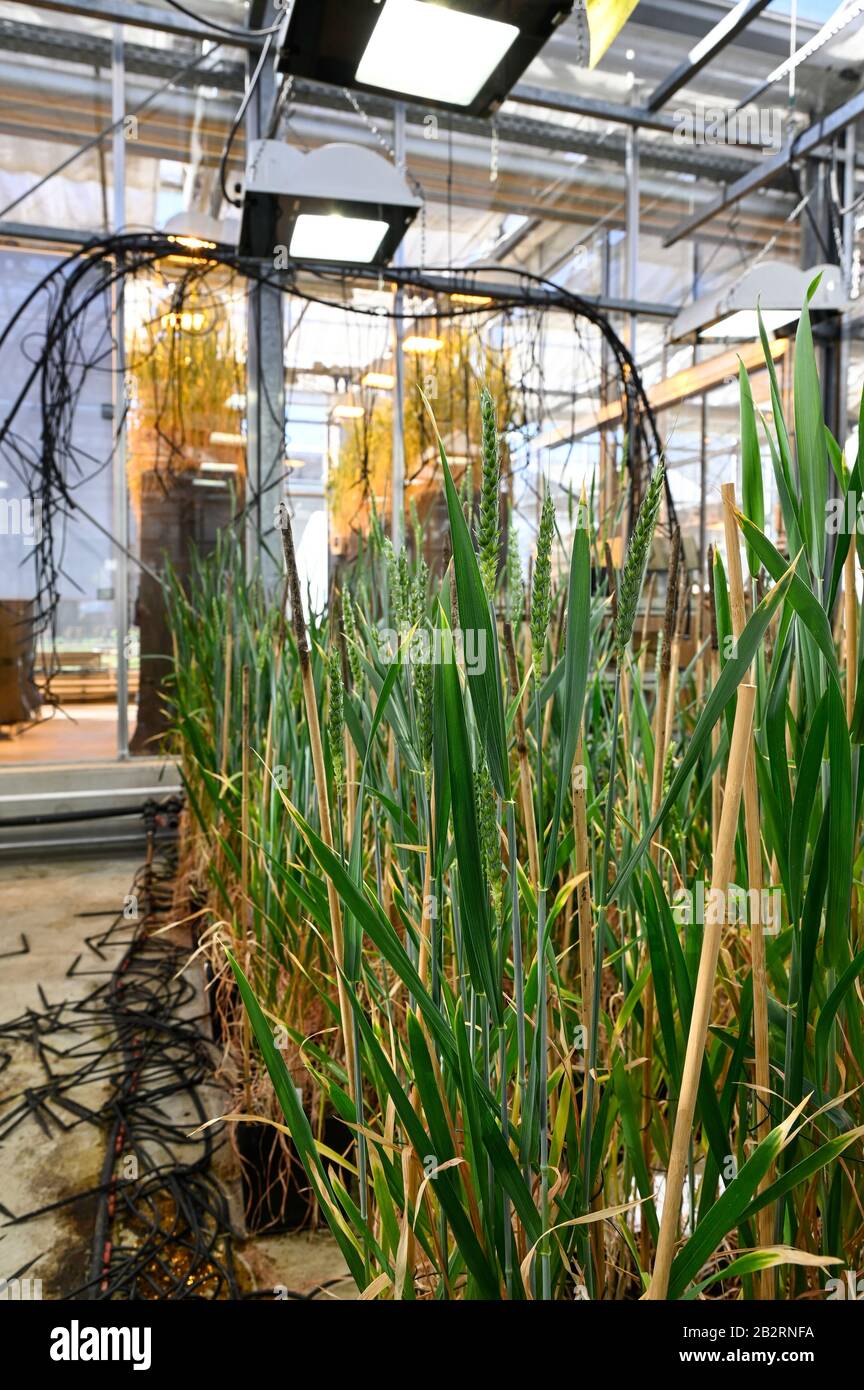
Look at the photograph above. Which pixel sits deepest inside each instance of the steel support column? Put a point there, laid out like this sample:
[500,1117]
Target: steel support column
[265,382]
[120,497]
[397,523]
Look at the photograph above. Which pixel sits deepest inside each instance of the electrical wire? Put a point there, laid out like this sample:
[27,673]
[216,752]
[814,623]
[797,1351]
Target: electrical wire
[78,340]
[235,124]
[222,28]
[161,1226]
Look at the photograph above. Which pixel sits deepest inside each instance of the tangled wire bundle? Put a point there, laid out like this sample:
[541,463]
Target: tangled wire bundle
[85,287]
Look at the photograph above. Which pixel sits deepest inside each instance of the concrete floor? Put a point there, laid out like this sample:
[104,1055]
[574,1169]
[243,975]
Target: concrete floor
[41,900]
[73,734]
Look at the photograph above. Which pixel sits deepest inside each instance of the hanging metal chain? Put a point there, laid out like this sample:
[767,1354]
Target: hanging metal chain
[413,182]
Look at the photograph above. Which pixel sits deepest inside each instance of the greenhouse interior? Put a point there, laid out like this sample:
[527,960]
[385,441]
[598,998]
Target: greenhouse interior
[431,670]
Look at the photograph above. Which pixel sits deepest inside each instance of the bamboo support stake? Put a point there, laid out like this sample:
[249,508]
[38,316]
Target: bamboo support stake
[764,1220]
[646,619]
[703,997]
[672,699]
[700,655]
[427,907]
[583,894]
[311,704]
[715,732]
[350,755]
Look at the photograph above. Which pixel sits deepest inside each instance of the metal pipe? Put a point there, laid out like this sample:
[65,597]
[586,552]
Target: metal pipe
[120,494]
[632,177]
[397,524]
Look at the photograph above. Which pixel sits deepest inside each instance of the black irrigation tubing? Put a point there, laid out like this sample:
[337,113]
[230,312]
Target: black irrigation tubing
[52,465]
[166,1231]
[145,809]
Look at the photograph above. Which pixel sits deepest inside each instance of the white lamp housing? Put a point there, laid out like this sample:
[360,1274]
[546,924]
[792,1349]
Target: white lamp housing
[776,288]
[339,203]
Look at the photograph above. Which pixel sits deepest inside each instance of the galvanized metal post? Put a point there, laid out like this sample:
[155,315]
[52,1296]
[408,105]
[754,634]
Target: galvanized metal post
[265,370]
[397,520]
[120,497]
[631,172]
[848,242]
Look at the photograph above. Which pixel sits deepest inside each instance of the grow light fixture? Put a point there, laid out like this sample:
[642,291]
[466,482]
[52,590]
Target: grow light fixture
[214,466]
[416,343]
[378,381]
[224,437]
[433,51]
[186,320]
[193,232]
[340,203]
[348,412]
[744,323]
[462,55]
[778,289]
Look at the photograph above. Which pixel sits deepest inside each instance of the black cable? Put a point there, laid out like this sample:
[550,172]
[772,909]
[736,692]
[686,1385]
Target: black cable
[222,28]
[235,124]
[166,1231]
[170,807]
[796,184]
[82,286]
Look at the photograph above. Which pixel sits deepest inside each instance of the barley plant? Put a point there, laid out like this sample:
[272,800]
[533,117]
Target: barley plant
[562,925]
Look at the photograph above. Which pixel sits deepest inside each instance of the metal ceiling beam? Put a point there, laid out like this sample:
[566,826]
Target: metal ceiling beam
[725,32]
[51,236]
[139,16]
[824,129]
[433,282]
[716,165]
[617,112]
[770,33]
[67,46]
[553,136]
